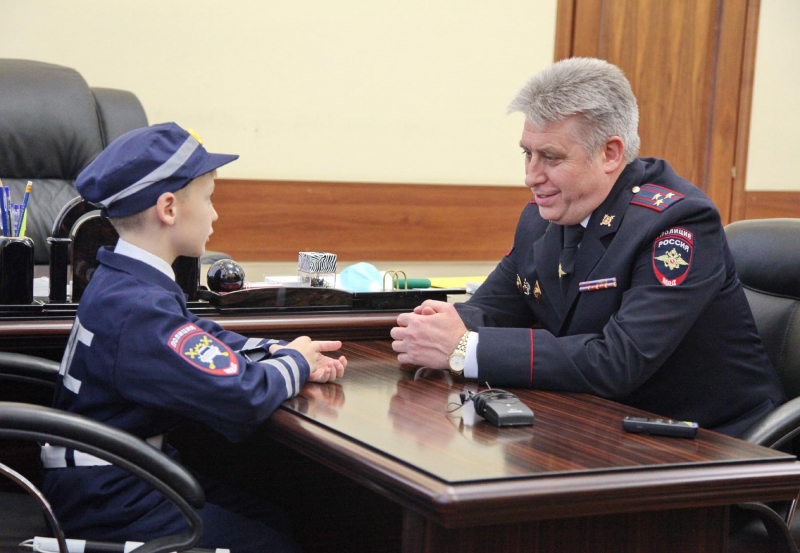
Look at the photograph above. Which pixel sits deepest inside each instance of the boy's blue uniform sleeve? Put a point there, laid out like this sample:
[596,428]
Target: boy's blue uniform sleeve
[258,347]
[165,361]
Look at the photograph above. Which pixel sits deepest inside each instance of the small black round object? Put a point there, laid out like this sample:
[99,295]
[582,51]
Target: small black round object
[225,275]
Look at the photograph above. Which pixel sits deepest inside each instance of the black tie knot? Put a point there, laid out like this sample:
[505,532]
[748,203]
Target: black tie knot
[572,236]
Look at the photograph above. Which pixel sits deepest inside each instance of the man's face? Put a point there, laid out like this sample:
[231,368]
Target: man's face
[567,184]
[195,216]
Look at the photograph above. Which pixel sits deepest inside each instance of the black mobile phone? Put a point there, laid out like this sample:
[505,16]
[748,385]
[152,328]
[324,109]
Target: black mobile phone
[660,427]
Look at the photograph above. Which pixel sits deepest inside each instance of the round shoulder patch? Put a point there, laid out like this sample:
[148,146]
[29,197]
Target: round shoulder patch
[203,351]
[672,256]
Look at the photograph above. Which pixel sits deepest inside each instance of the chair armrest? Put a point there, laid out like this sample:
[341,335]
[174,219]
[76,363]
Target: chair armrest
[778,427]
[21,420]
[29,366]
[32,422]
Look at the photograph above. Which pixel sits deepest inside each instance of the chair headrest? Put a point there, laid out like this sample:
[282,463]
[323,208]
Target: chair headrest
[48,121]
[766,255]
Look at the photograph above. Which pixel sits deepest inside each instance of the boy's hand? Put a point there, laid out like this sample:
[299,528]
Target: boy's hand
[328,369]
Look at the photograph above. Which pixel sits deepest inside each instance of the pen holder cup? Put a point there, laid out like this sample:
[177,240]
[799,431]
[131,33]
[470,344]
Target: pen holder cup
[16,271]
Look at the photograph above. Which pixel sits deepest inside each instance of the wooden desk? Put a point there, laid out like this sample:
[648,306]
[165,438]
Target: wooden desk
[390,466]
[573,482]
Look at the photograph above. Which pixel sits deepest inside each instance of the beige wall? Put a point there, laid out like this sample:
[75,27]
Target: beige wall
[775,119]
[350,90]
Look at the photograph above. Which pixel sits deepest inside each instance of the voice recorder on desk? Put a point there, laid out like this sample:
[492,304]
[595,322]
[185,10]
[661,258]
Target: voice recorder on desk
[499,407]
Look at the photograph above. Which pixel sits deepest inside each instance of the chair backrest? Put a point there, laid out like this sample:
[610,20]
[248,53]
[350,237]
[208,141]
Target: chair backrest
[51,126]
[767,262]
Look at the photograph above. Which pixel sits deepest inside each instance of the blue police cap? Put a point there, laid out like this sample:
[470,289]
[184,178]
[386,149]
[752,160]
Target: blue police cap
[134,170]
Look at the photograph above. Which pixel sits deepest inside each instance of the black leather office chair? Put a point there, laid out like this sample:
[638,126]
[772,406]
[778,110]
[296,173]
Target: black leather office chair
[43,424]
[765,253]
[52,124]
[21,516]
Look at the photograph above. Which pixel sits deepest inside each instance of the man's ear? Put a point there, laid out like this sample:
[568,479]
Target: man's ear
[167,208]
[613,154]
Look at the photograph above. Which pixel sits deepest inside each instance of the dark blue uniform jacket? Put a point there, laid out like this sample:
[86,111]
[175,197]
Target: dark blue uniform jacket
[138,360]
[674,337]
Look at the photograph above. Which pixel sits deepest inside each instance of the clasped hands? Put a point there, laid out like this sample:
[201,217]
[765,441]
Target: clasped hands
[429,335]
[322,368]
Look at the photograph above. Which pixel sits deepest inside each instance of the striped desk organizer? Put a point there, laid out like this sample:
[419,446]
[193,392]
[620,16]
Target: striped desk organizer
[317,269]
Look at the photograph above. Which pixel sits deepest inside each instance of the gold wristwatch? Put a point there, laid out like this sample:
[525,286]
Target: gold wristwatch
[457,358]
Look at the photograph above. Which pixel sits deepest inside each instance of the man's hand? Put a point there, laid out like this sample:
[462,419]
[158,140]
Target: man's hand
[322,368]
[429,335]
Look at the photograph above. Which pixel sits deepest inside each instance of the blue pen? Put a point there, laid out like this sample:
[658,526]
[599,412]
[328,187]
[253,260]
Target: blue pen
[12,220]
[3,215]
[9,208]
[24,207]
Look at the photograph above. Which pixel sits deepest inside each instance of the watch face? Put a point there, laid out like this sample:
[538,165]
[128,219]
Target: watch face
[457,362]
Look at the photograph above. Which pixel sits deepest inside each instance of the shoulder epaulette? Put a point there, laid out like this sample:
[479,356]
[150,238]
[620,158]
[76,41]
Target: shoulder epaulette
[655,197]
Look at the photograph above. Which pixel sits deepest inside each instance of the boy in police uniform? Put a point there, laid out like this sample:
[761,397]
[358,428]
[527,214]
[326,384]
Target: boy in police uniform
[138,360]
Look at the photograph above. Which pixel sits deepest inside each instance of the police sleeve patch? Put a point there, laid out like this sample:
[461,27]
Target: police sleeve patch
[672,256]
[203,351]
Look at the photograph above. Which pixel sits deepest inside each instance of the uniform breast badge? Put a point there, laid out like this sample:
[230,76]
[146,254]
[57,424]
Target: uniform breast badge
[672,256]
[526,287]
[537,292]
[607,220]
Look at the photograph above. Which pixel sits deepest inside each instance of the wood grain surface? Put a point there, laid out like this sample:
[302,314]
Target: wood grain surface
[274,220]
[689,63]
[768,205]
[355,450]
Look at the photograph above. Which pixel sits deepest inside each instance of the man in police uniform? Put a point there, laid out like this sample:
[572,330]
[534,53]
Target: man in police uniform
[619,282]
[139,360]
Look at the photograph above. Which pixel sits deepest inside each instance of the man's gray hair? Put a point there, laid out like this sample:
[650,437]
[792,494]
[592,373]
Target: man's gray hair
[592,89]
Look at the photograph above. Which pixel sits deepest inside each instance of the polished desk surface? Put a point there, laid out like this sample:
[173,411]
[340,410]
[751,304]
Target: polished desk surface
[387,427]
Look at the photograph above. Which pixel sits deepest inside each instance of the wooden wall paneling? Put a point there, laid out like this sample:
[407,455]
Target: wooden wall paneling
[273,220]
[768,205]
[665,49]
[739,196]
[684,59]
[724,105]
[565,21]
[587,27]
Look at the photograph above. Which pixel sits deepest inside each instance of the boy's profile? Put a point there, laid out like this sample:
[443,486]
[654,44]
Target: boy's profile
[138,360]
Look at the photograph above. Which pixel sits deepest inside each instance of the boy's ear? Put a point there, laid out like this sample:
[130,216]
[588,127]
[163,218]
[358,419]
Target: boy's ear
[166,208]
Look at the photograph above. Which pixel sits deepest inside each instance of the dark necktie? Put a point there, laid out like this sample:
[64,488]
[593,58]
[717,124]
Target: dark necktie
[566,265]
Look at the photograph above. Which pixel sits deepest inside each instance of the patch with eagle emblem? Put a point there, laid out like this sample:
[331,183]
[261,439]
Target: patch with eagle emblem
[672,256]
[203,351]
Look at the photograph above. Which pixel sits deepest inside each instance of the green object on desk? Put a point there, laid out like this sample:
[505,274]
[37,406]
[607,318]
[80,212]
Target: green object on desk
[400,283]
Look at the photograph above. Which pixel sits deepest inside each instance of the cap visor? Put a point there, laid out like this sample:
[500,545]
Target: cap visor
[214,161]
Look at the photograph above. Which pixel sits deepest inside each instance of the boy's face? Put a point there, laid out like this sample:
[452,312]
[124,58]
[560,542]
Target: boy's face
[195,216]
